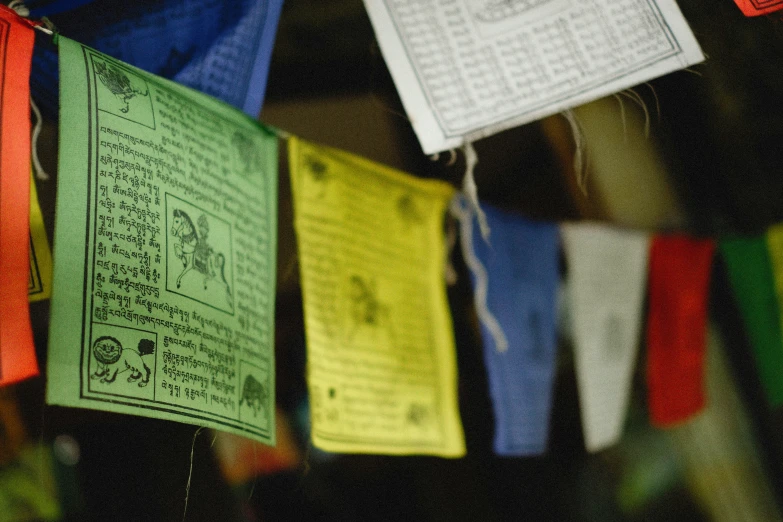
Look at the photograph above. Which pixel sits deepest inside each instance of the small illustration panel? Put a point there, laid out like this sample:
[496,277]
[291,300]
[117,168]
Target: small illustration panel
[122,93]
[254,394]
[122,361]
[199,255]
[493,17]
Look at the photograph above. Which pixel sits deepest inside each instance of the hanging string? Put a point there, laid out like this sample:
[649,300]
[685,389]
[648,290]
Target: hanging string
[579,149]
[464,212]
[19,7]
[622,116]
[255,479]
[471,191]
[40,173]
[190,473]
[452,157]
[638,100]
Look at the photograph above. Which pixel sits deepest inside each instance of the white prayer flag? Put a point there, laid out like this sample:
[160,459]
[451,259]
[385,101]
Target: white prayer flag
[466,69]
[607,272]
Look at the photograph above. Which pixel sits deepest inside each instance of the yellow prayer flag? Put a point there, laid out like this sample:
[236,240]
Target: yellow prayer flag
[380,347]
[40,280]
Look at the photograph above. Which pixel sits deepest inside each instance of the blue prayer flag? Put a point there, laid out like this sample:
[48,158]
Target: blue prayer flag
[220,48]
[522,269]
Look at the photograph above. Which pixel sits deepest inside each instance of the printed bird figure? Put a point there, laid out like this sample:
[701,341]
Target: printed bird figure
[118,83]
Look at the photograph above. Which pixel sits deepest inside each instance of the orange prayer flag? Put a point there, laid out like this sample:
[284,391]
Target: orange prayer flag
[759,7]
[17,352]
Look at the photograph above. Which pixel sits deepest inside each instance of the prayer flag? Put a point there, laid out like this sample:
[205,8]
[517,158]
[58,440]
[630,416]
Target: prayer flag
[380,349]
[17,351]
[676,326]
[607,271]
[750,272]
[165,251]
[522,277]
[220,48]
[466,70]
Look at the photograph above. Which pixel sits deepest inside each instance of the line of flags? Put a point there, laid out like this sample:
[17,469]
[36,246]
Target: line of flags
[382,367]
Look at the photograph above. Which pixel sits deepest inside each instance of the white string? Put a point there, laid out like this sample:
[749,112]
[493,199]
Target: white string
[280,133]
[19,7]
[471,191]
[452,157]
[44,30]
[190,473]
[463,211]
[579,146]
[40,173]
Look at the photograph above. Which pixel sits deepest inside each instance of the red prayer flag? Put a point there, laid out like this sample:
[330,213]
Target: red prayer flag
[759,7]
[17,351]
[676,327]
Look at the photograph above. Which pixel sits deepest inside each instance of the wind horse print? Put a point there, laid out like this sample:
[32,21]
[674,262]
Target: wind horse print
[193,249]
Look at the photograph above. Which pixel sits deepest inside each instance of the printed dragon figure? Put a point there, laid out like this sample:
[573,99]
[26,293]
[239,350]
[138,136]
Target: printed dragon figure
[118,83]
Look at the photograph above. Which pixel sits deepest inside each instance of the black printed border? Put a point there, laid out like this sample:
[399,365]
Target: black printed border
[182,411]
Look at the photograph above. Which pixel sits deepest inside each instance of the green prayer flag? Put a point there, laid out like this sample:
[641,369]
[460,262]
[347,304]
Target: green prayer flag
[165,250]
[750,273]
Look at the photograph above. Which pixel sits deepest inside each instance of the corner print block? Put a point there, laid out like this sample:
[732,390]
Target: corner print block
[380,352]
[165,251]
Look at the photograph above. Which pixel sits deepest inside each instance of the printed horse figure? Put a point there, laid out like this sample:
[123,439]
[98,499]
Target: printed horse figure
[194,251]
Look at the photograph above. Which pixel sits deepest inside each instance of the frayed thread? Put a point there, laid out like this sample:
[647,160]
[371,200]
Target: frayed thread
[470,189]
[464,211]
[20,8]
[190,473]
[40,173]
[580,147]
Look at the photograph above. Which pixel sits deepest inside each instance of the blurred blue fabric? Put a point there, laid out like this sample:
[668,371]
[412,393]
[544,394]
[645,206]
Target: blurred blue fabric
[220,48]
[522,267]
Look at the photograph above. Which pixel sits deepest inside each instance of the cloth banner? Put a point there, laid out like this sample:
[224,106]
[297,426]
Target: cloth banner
[522,268]
[680,269]
[165,251]
[607,271]
[17,351]
[220,48]
[750,272]
[465,70]
[380,346]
